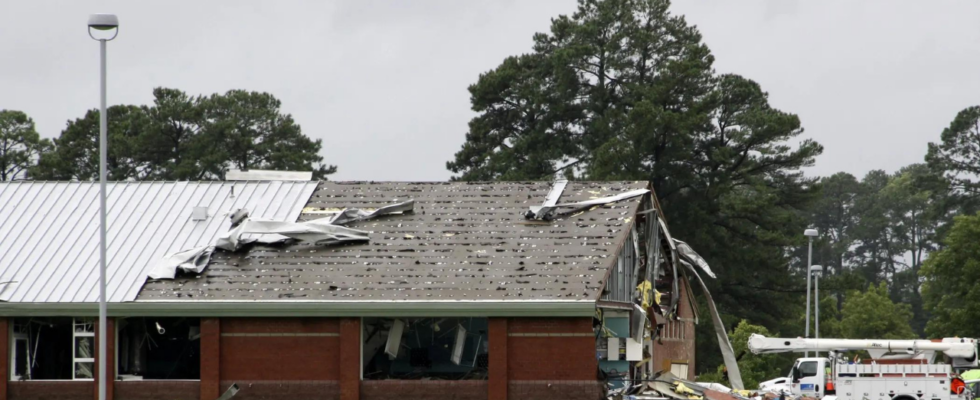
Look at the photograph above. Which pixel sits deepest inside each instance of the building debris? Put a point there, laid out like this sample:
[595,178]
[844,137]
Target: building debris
[322,231]
[687,253]
[231,392]
[547,212]
[727,353]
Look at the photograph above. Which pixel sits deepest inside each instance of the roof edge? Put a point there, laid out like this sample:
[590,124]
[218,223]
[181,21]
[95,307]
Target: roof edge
[289,308]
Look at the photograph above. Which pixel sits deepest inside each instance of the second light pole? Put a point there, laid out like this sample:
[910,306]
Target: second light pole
[809,233]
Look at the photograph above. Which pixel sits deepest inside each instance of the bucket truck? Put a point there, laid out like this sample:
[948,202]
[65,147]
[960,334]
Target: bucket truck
[898,370]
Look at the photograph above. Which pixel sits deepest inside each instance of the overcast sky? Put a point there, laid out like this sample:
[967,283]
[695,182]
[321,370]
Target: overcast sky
[383,83]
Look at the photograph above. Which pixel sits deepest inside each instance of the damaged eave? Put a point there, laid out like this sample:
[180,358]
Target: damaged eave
[301,308]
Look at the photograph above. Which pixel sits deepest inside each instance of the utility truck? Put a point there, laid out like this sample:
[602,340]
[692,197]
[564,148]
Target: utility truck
[898,369]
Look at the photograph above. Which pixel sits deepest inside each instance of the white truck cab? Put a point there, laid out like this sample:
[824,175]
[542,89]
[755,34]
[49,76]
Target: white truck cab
[810,377]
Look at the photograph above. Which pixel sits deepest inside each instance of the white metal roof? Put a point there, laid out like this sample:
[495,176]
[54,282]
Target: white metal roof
[49,231]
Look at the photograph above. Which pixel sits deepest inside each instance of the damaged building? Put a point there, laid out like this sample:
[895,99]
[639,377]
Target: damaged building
[345,290]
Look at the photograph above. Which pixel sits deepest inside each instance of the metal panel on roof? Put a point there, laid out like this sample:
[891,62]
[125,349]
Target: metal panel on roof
[49,231]
[464,241]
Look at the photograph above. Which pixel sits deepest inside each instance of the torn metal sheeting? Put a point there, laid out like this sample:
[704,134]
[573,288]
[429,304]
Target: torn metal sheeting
[673,261]
[639,322]
[193,261]
[323,231]
[547,209]
[686,252]
[318,231]
[353,214]
[727,353]
[547,212]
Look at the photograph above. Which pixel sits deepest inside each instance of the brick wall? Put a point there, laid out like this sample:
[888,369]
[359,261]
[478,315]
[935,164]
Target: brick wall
[284,389]
[210,355]
[551,358]
[157,390]
[541,349]
[280,357]
[110,354]
[424,390]
[350,358]
[557,390]
[274,349]
[678,343]
[51,390]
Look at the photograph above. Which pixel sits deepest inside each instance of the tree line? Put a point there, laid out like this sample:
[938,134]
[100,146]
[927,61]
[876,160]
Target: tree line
[625,90]
[178,137]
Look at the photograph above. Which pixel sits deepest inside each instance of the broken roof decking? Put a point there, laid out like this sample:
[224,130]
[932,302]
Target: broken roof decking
[463,242]
[49,231]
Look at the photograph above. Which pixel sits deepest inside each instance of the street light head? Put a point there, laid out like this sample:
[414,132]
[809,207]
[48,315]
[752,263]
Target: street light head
[816,269]
[810,232]
[103,22]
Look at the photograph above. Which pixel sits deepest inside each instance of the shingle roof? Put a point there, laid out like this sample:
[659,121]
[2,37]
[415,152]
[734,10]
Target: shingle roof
[49,231]
[464,241]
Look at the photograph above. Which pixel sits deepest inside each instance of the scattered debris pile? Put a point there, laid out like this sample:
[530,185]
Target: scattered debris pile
[667,386]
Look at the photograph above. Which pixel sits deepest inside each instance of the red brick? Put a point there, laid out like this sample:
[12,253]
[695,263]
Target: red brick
[110,354]
[285,389]
[50,390]
[550,325]
[210,358]
[550,358]
[498,374]
[157,390]
[681,350]
[423,390]
[556,390]
[350,358]
[280,325]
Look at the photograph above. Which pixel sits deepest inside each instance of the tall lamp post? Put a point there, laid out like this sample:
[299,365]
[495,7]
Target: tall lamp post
[816,271]
[809,233]
[105,23]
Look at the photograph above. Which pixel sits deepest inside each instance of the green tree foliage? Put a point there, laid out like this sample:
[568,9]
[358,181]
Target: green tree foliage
[877,248]
[957,155]
[950,289]
[622,89]
[879,230]
[185,138]
[872,315]
[76,152]
[830,318]
[20,144]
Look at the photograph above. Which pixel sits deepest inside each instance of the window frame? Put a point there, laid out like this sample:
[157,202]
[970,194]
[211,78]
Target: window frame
[88,330]
[14,337]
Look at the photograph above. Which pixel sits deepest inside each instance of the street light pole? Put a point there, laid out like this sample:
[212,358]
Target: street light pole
[816,271]
[810,233]
[102,22]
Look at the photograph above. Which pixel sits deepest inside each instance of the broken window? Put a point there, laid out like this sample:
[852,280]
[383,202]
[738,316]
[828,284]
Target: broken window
[158,348]
[425,348]
[52,348]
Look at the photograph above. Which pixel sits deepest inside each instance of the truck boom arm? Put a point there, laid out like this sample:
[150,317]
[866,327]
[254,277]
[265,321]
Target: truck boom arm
[953,347]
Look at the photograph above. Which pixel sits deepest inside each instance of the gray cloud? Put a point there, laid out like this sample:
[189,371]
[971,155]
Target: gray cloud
[383,83]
